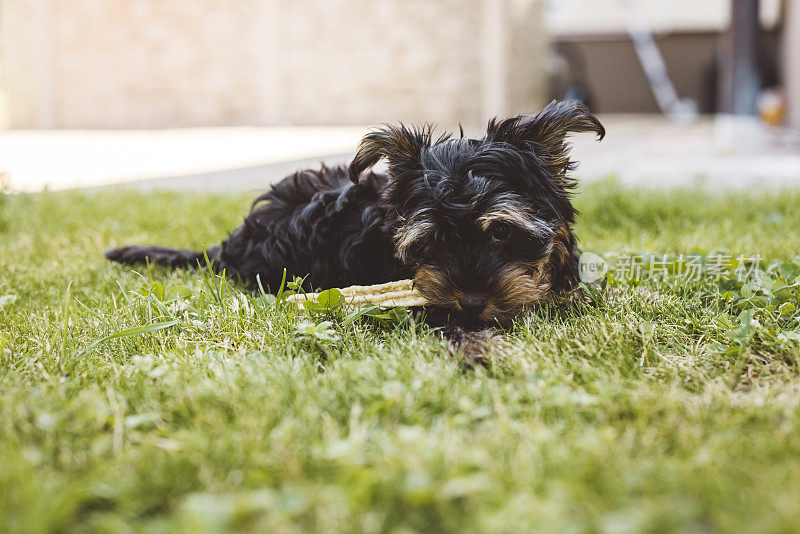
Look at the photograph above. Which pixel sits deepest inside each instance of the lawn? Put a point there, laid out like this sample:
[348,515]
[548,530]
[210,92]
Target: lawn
[173,401]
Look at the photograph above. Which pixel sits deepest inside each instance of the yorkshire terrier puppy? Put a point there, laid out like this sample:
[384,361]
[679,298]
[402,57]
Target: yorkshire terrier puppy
[483,226]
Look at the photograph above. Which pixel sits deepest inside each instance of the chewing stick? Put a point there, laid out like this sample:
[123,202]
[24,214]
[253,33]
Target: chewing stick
[390,294]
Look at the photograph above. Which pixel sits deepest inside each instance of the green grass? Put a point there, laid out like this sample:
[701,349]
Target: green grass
[676,412]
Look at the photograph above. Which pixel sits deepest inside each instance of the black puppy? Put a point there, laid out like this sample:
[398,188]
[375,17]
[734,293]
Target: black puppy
[483,226]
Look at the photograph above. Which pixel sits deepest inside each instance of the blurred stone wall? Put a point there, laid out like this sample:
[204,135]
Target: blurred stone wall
[178,63]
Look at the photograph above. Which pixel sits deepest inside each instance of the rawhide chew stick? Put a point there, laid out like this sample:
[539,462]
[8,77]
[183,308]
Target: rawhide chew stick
[390,294]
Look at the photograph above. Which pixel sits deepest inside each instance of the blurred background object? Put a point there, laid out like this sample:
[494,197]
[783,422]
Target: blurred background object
[287,83]
[690,35]
[772,106]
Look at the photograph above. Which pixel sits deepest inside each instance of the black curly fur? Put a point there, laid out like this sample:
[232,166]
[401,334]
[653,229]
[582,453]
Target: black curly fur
[315,224]
[484,226]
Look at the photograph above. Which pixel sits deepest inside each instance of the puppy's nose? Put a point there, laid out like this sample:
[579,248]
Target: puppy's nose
[472,303]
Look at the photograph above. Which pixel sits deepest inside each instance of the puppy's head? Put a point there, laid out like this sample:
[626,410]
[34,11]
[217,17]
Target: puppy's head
[484,224]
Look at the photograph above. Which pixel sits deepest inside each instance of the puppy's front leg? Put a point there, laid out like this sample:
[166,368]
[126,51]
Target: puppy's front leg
[473,347]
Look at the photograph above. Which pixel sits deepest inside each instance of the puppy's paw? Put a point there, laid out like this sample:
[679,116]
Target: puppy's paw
[474,347]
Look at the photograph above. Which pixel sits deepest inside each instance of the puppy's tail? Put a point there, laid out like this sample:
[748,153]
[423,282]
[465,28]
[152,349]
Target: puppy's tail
[168,257]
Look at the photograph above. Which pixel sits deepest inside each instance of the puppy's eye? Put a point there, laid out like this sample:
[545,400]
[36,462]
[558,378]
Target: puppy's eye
[499,232]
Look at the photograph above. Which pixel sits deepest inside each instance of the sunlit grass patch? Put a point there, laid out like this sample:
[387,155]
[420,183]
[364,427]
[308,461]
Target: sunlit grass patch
[162,400]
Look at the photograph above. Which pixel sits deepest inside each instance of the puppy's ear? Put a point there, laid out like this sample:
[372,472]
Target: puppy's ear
[545,133]
[400,145]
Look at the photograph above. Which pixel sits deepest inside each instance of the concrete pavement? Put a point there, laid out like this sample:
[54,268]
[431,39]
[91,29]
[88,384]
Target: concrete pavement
[66,159]
[717,153]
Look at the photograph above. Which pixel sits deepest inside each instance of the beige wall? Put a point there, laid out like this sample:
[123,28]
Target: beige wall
[156,63]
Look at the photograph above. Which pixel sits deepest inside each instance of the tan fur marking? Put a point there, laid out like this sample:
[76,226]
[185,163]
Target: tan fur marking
[409,233]
[518,216]
[434,286]
[519,288]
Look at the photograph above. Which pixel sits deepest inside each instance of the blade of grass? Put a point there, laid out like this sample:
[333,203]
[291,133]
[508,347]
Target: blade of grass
[66,308]
[135,331]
